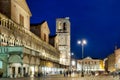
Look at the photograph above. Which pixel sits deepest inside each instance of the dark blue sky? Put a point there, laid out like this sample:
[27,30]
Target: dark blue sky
[98,21]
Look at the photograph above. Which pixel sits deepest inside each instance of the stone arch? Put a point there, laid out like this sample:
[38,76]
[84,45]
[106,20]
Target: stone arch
[37,61]
[32,61]
[15,59]
[26,59]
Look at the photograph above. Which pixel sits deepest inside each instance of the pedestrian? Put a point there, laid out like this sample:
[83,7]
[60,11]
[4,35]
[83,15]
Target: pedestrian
[64,74]
[70,73]
[114,74]
[38,74]
[67,73]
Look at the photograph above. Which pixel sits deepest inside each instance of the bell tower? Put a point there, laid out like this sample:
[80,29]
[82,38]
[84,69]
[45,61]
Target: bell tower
[63,34]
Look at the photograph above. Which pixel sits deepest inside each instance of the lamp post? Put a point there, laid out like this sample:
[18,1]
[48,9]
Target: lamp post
[71,61]
[82,42]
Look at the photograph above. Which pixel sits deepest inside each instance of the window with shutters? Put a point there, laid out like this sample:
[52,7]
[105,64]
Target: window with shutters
[21,20]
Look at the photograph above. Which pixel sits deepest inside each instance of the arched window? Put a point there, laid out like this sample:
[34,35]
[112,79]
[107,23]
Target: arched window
[64,26]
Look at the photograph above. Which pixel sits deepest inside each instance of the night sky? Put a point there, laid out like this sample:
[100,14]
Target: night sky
[97,21]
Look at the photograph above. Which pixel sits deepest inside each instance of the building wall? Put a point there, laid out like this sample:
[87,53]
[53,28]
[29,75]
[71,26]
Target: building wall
[45,31]
[117,59]
[5,7]
[90,64]
[111,62]
[41,30]
[34,49]
[102,66]
[13,34]
[14,8]
[53,40]
[56,42]
[36,30]
[17,10]
[106,64]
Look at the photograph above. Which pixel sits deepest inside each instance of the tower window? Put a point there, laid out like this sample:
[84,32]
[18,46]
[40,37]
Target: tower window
[64,26]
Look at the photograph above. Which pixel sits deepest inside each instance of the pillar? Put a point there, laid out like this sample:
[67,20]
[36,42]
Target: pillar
[29,70]
[10,70]
[34,71]
[21,69]
[16,71]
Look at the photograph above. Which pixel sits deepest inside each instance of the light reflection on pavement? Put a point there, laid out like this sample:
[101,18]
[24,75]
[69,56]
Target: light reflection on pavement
[66,78]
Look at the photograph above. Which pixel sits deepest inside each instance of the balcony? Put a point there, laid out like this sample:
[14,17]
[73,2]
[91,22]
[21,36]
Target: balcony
[6,23]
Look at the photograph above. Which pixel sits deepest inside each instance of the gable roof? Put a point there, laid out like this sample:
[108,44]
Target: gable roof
[42,24]
[23,4]
[45,24]
[37,24]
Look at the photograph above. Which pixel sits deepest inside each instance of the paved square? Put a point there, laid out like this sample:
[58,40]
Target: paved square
[61,77]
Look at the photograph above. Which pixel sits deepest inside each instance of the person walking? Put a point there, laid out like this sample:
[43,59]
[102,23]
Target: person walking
[67,73]
[64,74]
[119,74]
[70,73]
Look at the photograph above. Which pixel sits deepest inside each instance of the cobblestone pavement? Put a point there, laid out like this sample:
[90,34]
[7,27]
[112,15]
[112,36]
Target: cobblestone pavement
[66,78]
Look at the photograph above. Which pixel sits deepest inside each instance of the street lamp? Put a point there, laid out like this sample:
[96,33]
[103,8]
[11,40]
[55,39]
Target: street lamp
[82,42]
[71,61]
[72,54]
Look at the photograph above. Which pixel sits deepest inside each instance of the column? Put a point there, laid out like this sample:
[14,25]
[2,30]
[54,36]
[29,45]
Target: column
[53,72]
[26,69]
[10,70]
[34,74]
[16,71]
[21,69]
[29,70]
